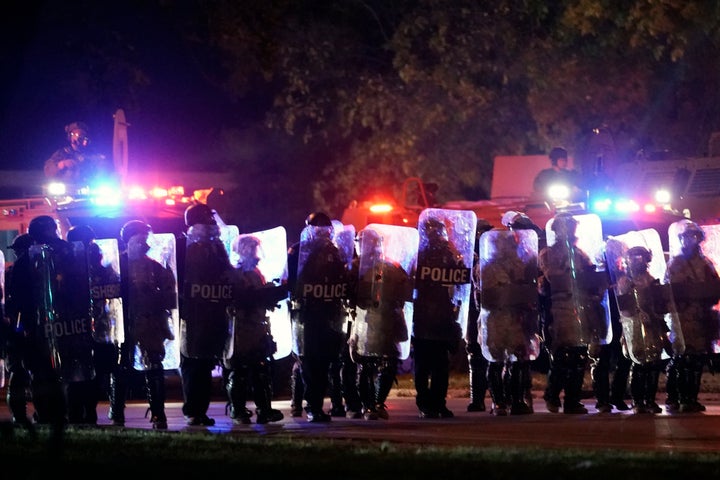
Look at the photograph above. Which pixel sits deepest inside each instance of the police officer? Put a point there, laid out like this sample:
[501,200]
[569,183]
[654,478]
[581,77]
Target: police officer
[149,295]
[477,363]
[203,315]
[560,264]
[248,360]
[18,304]
[74,163]
[644,328]
[49,261]
[319,295]
[436,332]
[380,327]
[696,289]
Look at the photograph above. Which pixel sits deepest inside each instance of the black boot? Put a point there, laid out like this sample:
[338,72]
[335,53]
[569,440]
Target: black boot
[600,375]
[236,388]
[638,380]
[651,385]
[574,384]
[263,393]
[118,394]
[496,384]
[297,388]
[519,372]
[18,383]
[155,384]
[672,396]
[477,373]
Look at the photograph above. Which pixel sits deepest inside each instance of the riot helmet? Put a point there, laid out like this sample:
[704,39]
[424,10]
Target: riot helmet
[132,228]
[81,233]
[434,230]
[564,225]
[77,135]
[370,242]
[689,228]
[43,228]
[638,258]
[201,214]
[247,250]
[556,154]
[318,219]
[21,243]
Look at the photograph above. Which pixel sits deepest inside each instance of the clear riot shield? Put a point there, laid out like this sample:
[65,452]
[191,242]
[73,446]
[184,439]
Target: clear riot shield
[647,312]
[272,264]
[695,287]
[228,236]
[320,296]
[508,329]
[444,267]
[62,285]
[386,266]
[344,238]
[594,318]
[104,269]
[208,290]
[44,289]
[2,300]
[162,250]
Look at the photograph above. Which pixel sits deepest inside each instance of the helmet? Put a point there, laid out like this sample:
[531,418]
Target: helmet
[557,153]
[81,233]
[132,228]
[77,138]
[247,246]
[370,241]
[636,254]
[433,229]
[689,228]
[43,228]
[564,225]
[318,219]
[199,214]
[21,242]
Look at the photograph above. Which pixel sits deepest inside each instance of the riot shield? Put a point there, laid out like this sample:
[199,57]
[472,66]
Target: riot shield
[320,295]
[162,251]
[2,308]
[508,329]
[443,277]
[272,265]
[62,284]
[696,288]
[650,327]
[580,301]
[104,269]
[386,266]
[344,238]
[208,290]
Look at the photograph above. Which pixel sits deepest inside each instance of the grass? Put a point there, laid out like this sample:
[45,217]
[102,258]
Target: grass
[107,452]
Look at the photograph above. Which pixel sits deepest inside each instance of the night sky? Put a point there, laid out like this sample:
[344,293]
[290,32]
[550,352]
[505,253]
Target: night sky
[179,113]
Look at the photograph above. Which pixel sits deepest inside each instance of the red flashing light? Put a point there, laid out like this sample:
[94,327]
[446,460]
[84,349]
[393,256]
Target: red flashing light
[649,208]
[381,208]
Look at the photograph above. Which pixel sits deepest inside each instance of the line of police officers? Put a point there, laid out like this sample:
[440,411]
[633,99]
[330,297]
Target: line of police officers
[67,340]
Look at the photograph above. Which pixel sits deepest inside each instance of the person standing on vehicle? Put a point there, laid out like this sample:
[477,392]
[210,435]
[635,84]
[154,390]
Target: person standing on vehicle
[208,279]
[74,163]
[436,330]
[319,295]
[248,358]
[567,282]
[557,174]
[149,294]
[696,289]
[380,327]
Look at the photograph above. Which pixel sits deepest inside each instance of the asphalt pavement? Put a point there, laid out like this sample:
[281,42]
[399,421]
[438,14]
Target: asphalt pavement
[687,432]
